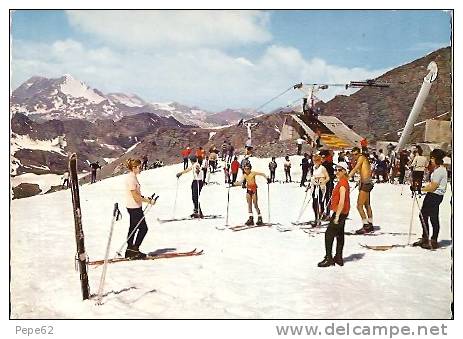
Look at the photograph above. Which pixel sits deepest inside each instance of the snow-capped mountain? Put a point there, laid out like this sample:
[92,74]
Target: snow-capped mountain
[61,98]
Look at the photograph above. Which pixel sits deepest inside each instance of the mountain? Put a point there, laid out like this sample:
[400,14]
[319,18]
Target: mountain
[231,116]
[68,98]
[377,113]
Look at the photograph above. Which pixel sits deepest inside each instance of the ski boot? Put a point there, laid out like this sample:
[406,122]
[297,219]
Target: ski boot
[250,221]
[421,242]
[326,262]
[338,260]
[367,228]
[132,252]
[259,220]
[195,215]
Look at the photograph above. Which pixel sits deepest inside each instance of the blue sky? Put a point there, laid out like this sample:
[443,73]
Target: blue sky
[221,59]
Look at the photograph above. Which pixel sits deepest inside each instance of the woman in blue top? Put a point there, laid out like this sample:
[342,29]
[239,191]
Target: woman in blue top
[435,191]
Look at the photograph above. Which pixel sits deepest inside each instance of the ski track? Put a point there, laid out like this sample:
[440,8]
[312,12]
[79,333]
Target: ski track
[256,273]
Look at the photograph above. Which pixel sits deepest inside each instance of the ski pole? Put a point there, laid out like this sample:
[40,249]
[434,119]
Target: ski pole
[304,206]
[268,201]
[147,208]
[116,216]
[228,204]
[175,200]
[411,221]
[426,229]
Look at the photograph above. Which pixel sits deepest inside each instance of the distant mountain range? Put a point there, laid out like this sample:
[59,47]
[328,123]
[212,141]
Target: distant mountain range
[68,98]
[54,117]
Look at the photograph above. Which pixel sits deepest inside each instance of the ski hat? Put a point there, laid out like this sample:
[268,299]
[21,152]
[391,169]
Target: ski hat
[343,165]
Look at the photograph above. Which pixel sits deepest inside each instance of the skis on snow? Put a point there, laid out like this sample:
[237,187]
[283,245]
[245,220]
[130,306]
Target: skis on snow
[81,256]
[149,257]
[212,216]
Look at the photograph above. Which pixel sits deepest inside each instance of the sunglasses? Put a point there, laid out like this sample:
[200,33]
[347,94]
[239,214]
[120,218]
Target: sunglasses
[339,169]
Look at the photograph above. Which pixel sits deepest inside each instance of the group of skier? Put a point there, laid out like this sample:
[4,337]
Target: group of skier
[330,201]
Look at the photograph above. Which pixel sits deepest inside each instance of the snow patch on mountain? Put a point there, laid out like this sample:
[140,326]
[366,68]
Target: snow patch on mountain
[78,89]
[130,100]
[18,142]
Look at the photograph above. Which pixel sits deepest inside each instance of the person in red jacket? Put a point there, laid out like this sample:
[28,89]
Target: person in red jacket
[185,154]
[200,154]
[235,166]
[340,205]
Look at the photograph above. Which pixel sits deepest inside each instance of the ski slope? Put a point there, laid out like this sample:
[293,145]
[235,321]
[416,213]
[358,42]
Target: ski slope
[257,273]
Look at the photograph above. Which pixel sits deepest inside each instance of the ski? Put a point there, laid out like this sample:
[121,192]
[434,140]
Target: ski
[149,257]
[212,216]
[382,247]
[247,227]
[81,256]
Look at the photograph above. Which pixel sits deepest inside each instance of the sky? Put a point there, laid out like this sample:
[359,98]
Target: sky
[220,59]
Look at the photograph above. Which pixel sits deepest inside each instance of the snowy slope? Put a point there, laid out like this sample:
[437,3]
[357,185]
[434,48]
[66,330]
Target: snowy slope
[258,273]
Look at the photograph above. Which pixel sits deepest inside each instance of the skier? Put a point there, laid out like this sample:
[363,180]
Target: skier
[418,164]
[272,166]
[212,160]
[287,168]
[251,193]
[185,154]
[245,162]
[223,154]
[204,167]
[231,152]
[299,142]
[94,166]
[366,185]
[226,172]
[403,161]
[435,191]
[65,178]
[134,201]
[305,169]
[319,179]
[248,146]
[144,165]
[235,165]
[196,185]
[327,162]
[340,205]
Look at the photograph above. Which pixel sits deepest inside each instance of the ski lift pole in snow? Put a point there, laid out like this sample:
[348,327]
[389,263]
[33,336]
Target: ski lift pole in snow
[147,208]
[418,105]
[116,216]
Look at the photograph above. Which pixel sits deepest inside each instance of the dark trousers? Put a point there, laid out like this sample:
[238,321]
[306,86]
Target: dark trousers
[196,187]
[234,176]
[417,180]
[272,176]
[401,174]
[335,231]
[185,163]
[304,176]
[93,177]
[327,197]
[288,175]
[318,203]
[136,214]
[430,211]
[65,183]
[299,149]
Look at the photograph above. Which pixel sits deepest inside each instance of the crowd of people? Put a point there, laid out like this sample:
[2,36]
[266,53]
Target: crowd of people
[327,181]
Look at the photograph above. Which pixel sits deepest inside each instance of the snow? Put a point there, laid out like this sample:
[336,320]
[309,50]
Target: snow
[113,147]
[211,134]
[132,147]
[129,100]
[78,89]
[19,141]
[45,181]
[166,106]
[109,160]
[258,273]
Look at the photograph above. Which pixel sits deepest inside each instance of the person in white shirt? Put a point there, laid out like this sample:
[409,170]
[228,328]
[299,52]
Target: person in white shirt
[196,185]
[318,181]
[134,201]
[299,142]
[434,196]
[418,164]
[287,168]
[65,178]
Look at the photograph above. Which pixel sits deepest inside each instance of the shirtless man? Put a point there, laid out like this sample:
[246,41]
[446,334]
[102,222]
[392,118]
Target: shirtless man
[251,193]
[366,185]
